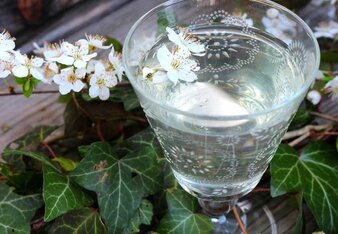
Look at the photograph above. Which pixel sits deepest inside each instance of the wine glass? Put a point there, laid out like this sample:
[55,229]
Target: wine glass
[220,131]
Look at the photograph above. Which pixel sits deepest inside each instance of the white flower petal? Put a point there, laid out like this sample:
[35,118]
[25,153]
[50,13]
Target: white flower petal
[37,62]
[5,56]
[4,74]
[94,91]
[272,13]
[186,75]
[174,37]
[20,71]
[159,77]
[196,48]
[89,57]
[65,88]
[104,93]
[80,73]
[53,67]
[91,65]
[20,58]
[165,57]
[78,86]
[7,45]
[36,73]
[68,49]
[173,76]
[65,60]
[99,68]
[146,71]
[80,63]
[314,97]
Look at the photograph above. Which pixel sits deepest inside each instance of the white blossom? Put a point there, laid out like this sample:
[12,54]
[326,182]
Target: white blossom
[7,45]
[77,55]
[279,25]
[49,70]
[332,87]
[23,66]
[314,97]
[97,41]
[176,66]
[140,47]
[5,68]
[156,76]
[68,80]
[326,29]
[186,41]
[115,59]
[319,75]
[101,81]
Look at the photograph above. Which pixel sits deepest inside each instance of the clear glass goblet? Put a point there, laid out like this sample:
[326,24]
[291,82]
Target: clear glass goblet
[220,131]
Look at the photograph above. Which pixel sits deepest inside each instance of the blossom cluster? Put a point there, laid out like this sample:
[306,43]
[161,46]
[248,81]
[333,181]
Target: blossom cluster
[176,64]
[71,66]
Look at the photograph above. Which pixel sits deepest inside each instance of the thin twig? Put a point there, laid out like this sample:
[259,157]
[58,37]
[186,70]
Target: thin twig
[324,116]
[327,133]
[35,92]
[98,131]
[137,118]
[55,135]
[50,150]
[304,130]
[78,106]
[260,190]
[299,139]
[239,220]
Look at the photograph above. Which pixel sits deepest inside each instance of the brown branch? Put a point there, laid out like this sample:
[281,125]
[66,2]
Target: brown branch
[240,223]
[50,150]
[98,131]
[37,224]
[304,130]
[137,118]
[260,190]
[78,106]
[35,92]
[299,139]
[324,116]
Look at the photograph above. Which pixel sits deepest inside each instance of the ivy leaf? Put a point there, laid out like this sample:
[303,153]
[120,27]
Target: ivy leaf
[116,44]
[29,142]
[61,194]
[126,95]
[17,211]
[143,215]
[121,176]
[298,228]
[165,19]
[75,121]
[35,155]
[182,217]
[315,173]
[80,221]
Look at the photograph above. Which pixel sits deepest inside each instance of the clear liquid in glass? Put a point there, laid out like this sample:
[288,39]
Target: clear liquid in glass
[244,71]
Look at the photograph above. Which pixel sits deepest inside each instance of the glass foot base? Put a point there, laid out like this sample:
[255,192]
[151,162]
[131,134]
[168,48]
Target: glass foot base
[255,216]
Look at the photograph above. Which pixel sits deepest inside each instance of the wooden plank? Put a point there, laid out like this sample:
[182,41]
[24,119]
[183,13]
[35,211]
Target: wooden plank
[21,114]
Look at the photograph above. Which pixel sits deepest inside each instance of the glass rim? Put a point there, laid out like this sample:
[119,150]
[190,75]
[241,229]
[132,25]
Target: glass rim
[174,110]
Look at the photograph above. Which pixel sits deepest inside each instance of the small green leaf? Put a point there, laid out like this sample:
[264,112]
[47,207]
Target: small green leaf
[27,88]
[80,221]
[66,163]
[143,215]
[112,41]
[35,155]
[61,194]
[17,211]
[29,142]
[315,173]
[182,217]
[19,80]
[65,98]
[121,176]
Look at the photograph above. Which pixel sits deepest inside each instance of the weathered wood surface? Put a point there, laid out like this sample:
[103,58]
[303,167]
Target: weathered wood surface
[114,18]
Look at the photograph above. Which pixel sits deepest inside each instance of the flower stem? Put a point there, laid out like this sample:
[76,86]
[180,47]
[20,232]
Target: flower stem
[78,106]
[98,131]
[324,116]
[260,190]
[239,220]
[50,150]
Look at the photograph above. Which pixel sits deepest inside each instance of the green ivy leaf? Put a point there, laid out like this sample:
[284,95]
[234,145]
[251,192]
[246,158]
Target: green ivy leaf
[165,19]
[328,57]
[29,142]
[112,41]
[302,117]
[143,215]
[75,121]
[182,217]
[61,194]
[315,173]
[121,176]
[35,155]
[298,228]
[126,95]
[66,163]
[17,211]
[80,221]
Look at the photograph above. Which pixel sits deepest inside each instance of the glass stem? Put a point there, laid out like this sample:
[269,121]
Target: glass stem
[217,208]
